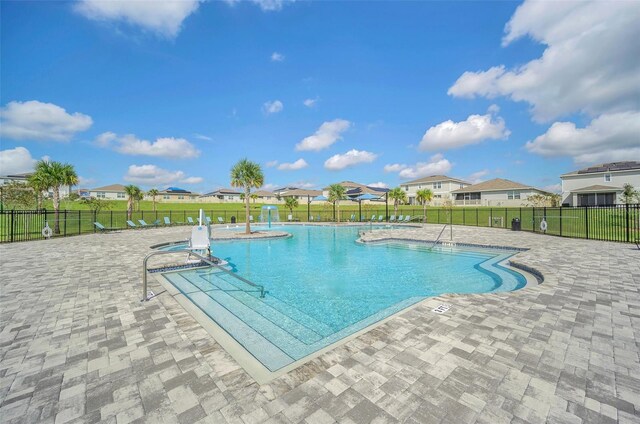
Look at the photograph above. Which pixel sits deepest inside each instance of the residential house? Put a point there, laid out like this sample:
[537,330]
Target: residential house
[440,185]
[175,195]
[110,192]
[496,192]
[221,195]
[24,178]
[299,194]
[264,196]
[354,190]
[600,184]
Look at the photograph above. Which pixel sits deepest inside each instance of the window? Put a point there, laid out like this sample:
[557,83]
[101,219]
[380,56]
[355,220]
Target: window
[461,185]
[180,197]
[437,184]
[230,197]
[513,195]
[607,178]
[166,197]
[121,195]
[101,195]
[406,188]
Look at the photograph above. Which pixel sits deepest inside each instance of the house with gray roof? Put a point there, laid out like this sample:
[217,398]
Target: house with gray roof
[599,185]
[496,192]
[440,185]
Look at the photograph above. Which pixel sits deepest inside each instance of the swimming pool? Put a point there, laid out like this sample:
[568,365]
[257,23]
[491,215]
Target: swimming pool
[323,286]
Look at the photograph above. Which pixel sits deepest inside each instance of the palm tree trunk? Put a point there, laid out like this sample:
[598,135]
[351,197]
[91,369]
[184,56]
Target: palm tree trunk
[338,207]
[154,203]
[395,208]
[56,208]
[246,200]
[129,208]
[425,212]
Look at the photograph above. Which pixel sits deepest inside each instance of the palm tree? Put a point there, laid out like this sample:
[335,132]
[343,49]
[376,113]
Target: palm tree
[337,192]
[424,196]
[52,175]
[248,175]
[254,197]
[133,192]
[153,193]
[291,203]
[398,196]
[39,183]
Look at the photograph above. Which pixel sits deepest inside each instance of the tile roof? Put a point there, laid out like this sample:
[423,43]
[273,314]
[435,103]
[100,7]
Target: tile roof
[112,187]
[494,185]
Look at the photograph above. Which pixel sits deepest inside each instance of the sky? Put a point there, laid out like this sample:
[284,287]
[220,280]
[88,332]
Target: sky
[173,93]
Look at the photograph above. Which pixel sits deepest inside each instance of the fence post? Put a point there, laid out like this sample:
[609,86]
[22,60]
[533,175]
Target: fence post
[111,223]
[505,218]
[79,222]
[477,222]
[491,217]
[560,220]
[438,214]
[12,218]
[65,223]
[626,218]
[95,218]
[586,222]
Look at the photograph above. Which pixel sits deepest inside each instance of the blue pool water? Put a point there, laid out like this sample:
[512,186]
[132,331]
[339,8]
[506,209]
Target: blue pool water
[323,286]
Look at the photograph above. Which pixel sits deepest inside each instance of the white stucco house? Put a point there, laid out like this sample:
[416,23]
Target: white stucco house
[221,195]
[24,179]
[441,186]
[110,192]
[600,184]
[496,192]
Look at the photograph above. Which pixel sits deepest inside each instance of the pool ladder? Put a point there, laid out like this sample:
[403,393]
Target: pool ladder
[438,238]
[145,293]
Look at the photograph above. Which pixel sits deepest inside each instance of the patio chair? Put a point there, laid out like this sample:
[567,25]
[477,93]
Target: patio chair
[373,217]
[102,228]
[208,220]
[220,220]
[143,224]
[250,218]
[392,218]
[400,218]
[132,225]
[380,218]
[352,218]
[318,218]
[190,220]
[167,221]
[407,219]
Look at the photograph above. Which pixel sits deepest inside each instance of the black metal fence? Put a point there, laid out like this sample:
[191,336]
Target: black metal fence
[619,223]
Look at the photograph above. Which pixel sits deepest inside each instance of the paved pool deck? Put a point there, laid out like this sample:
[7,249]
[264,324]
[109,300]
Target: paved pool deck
[77,345]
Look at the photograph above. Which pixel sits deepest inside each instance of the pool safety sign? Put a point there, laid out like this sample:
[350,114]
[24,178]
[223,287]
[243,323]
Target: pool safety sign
[441,309]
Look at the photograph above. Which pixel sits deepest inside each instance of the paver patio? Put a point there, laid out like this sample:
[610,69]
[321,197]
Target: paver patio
[77,345]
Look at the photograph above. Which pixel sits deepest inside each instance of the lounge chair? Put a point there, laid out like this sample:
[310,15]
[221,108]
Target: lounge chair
[190,220]
[318,218]
[131,224]
[400,218]
[353,218]
[392,218]
[102,228]
[220,220]
[250,218]
[143,224]
[373,218]
[380,218]
[167,221]
[208,219]
[407,219]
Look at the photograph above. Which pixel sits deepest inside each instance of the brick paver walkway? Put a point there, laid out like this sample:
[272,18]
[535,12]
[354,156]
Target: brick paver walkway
[76,345]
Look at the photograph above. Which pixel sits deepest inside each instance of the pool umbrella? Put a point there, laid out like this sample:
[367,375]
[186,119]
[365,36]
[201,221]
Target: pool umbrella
[366,196]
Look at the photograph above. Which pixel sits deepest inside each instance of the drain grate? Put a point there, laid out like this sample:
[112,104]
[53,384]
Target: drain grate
[441,309]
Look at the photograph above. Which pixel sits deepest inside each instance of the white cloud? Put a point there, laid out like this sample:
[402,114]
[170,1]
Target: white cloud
[167,147]
[203,137]
[478,177]
[437,165]
[152,175]
[328,133]
[351,158]
[271,5]
[379,184]
[299,164]
[302,184]
[83,181]
[395,167]
[277,57]
[310,102]
[34,120]
[16,161]
[473,130]
[272,107]
[590,63]
[271,163]
[164,17]
[610,137]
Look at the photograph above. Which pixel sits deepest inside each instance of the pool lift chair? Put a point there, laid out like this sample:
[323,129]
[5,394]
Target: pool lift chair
[200,240]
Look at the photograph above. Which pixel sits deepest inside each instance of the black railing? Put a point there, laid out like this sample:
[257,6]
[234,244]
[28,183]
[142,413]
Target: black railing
[619,223]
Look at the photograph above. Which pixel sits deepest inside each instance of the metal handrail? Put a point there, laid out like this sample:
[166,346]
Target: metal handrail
[145,295]
[439,235]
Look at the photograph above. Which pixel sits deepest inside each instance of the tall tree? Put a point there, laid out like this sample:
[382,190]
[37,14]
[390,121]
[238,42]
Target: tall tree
[132,192]
[398,196]
[424,196]
[248,175]
[52,175]
[153,193]
[39,183]
[337,193]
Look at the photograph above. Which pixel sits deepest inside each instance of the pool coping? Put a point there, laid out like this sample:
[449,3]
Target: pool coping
[262,375]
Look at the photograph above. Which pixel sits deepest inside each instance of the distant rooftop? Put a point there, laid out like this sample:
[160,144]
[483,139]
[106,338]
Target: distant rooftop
[607,167]
[112,187]
[175,190]
[496,184]
[434,178]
